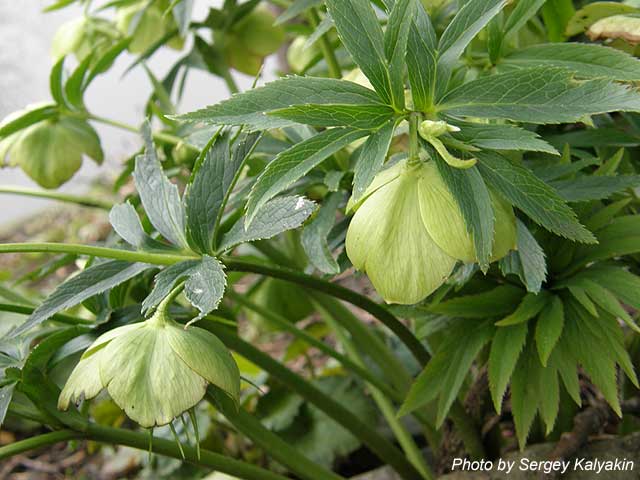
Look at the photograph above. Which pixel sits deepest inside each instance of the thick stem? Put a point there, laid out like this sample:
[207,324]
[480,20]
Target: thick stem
[59,196]
[414,141]
[103,252]
[325,45]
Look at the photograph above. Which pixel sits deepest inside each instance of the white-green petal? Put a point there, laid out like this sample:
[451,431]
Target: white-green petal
[106,337]
[84,381]
[442,216]
[388,241]
[380,180]
[205,354]
[504,239]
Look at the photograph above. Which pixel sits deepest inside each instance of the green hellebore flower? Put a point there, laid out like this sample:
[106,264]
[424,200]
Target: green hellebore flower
[252,39]
[154,370]
[84,36]
[408,232]
[51,151]
[147,24]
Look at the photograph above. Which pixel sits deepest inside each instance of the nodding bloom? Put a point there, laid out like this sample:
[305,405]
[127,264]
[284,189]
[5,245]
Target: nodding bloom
[154,370]
[408,232]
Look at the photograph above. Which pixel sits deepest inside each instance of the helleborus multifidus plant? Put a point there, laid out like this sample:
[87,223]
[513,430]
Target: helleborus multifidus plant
[420,142]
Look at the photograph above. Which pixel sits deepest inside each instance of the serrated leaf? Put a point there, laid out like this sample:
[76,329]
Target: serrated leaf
[605,215]
[361,34]
[622,283]
[549,328]
[422,59]
[524,11]
[74,87]
[77,289]
[371,158]
[6,395]
[472,17]
[524,392]
[608,302]
[125,221]
[274,217]
[249,108]
[556,171]
[205,287]
[472,195]
[314,236]
[164,282]
[538,95]
[506,347]
[501,137]
[396,36]
[586,60]
[549,390]
[527,261]
[556,15]
[357,116]
[531,195]
[620,237]
[294,163]
[493,303]
[26,118]
[586,188]
[159,196]
[529,307]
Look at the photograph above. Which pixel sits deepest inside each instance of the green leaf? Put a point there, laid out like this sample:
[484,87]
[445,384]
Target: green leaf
[296,8]
[556,171]
[501,137]
[624,285]
[77,289]
[531,195]
[492,303]
[125,221]
[472,17]
[395,45]
[620,237]
[159,196]
[524,11]
[273,218]
[361,34]
[528,261]
[6,395]
[205,287]
[605,215]
[421,59]
[538,95]
[472,195]
[249,108]
[530,306]
[549,404]
[506,346]
[524,393]
[56,82]
[556,15]
[164,282]
[23,119]
[446,371]
[587,188]
[586,60]
[314,236]
[608,302]
[371,158]
[182,14]
[294,163]
[549,328]
[357,116]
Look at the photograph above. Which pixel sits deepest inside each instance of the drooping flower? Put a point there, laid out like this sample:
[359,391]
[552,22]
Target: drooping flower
[154,370]
[408,232]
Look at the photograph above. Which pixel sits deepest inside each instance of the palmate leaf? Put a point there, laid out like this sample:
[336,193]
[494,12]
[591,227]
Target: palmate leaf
[159,196]
[506,347]
[493,303]
[530,306]
[294,163]
[549,327]
[538,95]
[531,195]
[77,289]
[274,217]
[361,33]
[250,108]
[586,60]
[622,283]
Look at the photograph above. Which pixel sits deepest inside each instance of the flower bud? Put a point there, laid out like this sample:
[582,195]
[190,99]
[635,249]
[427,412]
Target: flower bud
[147,24]
[84,36]
[408,232]
[154,370]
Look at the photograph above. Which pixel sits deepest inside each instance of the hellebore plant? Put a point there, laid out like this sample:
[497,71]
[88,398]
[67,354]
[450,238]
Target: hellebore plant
[460,154]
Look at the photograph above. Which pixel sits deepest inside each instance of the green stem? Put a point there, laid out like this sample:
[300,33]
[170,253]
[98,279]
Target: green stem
[385,450]
[62,197]
[58,317]
[386,407]
[272,444]
[229,80]
[325,45]
[103,252]
[288,326]
[38,441]
[378,311]
[414,141]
